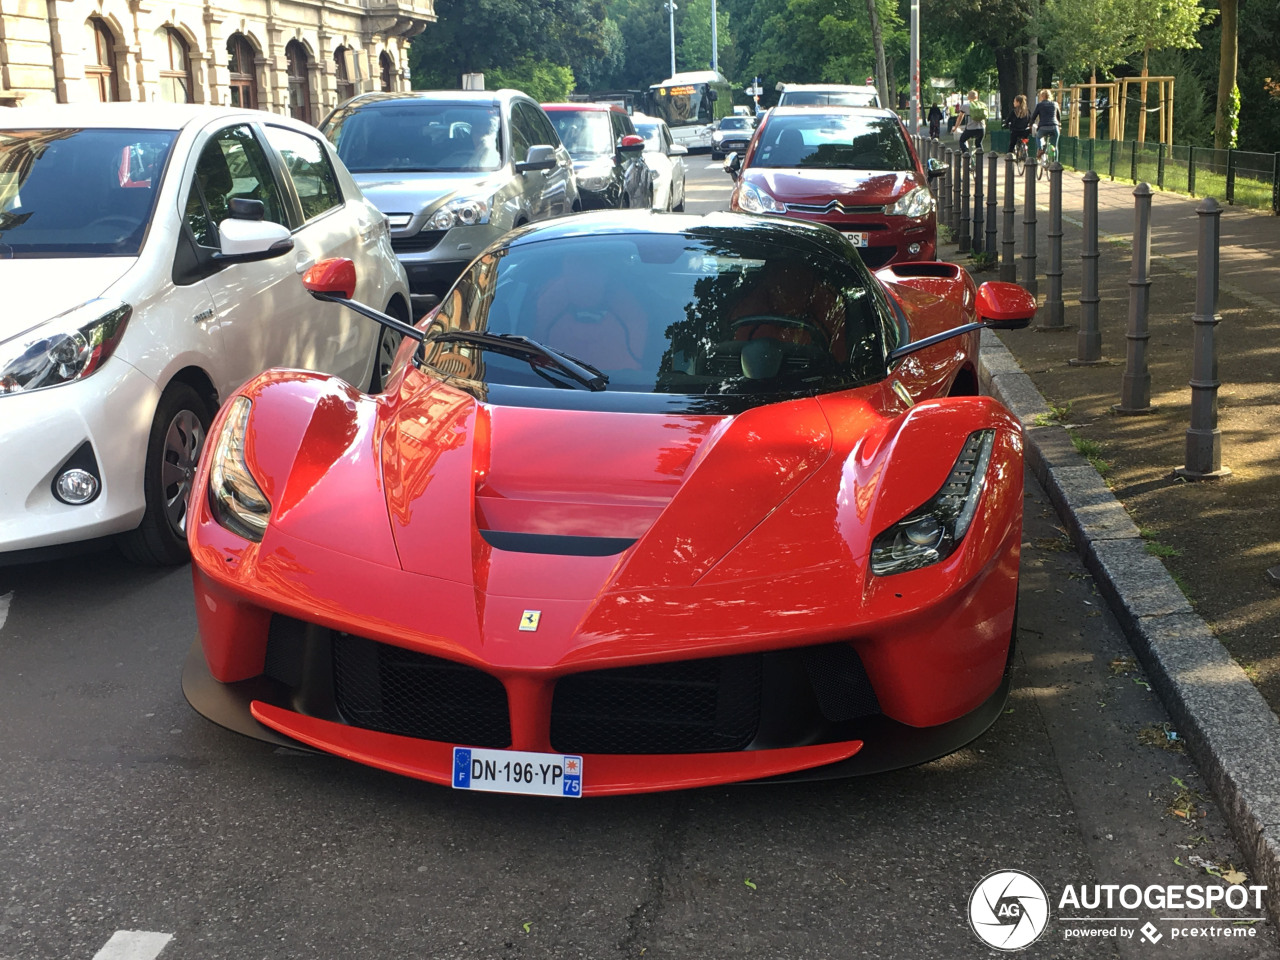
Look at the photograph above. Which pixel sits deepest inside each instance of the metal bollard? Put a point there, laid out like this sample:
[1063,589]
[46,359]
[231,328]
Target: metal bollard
[1053,305]
[1008,269]
[955,194]
[944,190]
[990,246]
[1135,386]
[1029,228]
[1204,439]
[1089,338]
[965,240]
[976,247]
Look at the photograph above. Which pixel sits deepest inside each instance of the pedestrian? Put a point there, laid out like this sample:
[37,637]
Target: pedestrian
[1019,122]
[1046,119]
[975,120]
[936,116]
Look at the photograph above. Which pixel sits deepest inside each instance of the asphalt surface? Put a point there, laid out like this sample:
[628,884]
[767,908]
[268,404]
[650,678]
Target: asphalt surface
[123,810]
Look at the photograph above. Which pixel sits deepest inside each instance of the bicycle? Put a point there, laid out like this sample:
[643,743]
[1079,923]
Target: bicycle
[1020,154]
[1048,155]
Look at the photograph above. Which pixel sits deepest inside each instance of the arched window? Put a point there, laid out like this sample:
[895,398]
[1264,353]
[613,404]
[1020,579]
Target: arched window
[240,61]
[101,70]
[175,68]
[345,72]
[388,70]
[299,86]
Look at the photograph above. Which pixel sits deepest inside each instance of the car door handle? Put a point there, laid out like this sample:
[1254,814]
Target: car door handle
[304,264]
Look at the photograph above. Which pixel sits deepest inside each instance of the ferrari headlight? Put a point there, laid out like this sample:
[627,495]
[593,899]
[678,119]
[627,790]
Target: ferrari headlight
[933,532]
[754,200]
[69,347]
[914,203]
[237,501]
[466,212]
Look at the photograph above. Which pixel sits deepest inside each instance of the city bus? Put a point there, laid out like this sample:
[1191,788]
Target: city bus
[691,103]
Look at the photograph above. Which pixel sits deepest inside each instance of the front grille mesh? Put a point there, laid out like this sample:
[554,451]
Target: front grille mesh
[691,706]
[419,242]
[386,688]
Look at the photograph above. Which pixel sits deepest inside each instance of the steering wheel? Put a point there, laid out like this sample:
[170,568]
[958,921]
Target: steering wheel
[757,320]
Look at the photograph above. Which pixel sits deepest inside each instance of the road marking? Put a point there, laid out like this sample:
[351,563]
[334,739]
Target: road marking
[133,945]
[4,607]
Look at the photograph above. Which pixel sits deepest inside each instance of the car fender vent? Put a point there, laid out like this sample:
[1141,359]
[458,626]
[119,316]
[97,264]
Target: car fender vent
[840,682]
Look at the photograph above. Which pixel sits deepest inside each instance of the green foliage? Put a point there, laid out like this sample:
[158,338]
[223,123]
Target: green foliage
[543,80]
[693,35]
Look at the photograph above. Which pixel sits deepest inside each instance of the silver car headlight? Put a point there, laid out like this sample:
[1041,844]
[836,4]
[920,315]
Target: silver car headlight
[235,498]
[596,176]
[914,203]
[69,347]
[754,200]
[932,533]
[465,212]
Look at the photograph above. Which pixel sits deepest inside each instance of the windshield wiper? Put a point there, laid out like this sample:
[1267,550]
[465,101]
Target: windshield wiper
[537,354]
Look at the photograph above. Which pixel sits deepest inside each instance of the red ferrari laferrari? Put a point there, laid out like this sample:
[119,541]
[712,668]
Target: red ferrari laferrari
[649,502]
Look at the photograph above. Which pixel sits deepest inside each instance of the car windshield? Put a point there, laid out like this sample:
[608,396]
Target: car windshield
[750,312]
[586,134]
[735,123]
[73,192]
[652,133]
[834,142]
[417,136]
[807,98]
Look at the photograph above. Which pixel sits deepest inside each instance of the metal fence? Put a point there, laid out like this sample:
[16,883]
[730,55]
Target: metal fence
[1241,177]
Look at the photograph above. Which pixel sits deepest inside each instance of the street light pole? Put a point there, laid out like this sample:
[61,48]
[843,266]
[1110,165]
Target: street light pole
[915,66]
[715,59]
[671,10]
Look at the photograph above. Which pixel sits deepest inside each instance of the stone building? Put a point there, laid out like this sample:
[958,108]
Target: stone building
[300,57]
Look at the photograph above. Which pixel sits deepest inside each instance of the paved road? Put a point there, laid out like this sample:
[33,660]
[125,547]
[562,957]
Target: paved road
[122,813]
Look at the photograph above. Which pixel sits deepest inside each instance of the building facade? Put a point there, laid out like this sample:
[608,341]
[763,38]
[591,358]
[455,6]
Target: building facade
[298,57]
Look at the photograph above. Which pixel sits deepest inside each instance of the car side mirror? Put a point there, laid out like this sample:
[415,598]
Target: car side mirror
[540,157]
[935,168]
[247,240]
[1005,306]
[631,144]
[677,150]
[246,208]
[733,165]
[336,277]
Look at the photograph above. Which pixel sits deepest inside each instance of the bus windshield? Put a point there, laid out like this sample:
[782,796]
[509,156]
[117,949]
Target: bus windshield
[682,104]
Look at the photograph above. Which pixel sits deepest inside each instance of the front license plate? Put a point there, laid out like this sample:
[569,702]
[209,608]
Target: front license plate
[857,239]
[514,771]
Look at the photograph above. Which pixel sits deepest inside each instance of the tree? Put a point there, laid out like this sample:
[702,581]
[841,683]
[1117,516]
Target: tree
[543,80]
[693,32]
[877,40]
[1224,128]
[1162,25]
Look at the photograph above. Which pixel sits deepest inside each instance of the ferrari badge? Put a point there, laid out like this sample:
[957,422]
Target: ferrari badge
[529,620]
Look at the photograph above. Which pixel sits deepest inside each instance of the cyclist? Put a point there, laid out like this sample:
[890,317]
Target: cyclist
[974,113]
[1046,119]
[1019,123]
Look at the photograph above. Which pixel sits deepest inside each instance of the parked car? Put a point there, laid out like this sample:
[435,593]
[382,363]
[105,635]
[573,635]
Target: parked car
[149,255]
[852,169]
[666,162]
[453,170]
[608,155]
[657,503]
[732,134]
[828,95]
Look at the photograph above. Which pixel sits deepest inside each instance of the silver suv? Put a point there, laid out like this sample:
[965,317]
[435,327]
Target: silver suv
[453,170]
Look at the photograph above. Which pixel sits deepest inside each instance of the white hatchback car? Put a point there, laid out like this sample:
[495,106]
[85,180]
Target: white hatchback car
[666,161]
[150,257]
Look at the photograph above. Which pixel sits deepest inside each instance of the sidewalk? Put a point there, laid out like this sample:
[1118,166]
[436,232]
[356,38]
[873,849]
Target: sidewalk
[1216,538]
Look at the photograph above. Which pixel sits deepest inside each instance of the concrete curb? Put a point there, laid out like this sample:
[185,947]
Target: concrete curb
[1232,734]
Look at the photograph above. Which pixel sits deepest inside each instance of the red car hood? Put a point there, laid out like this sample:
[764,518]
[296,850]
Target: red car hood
[581,487]
[818,187]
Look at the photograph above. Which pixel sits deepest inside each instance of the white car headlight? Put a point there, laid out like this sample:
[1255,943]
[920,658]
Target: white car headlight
[914,203]
[69,347]
[754,200]
[466,212]
[932,533]
[235,498]
[596,176]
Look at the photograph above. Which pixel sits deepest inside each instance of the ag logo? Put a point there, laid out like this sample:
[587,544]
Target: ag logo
[1008,910]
